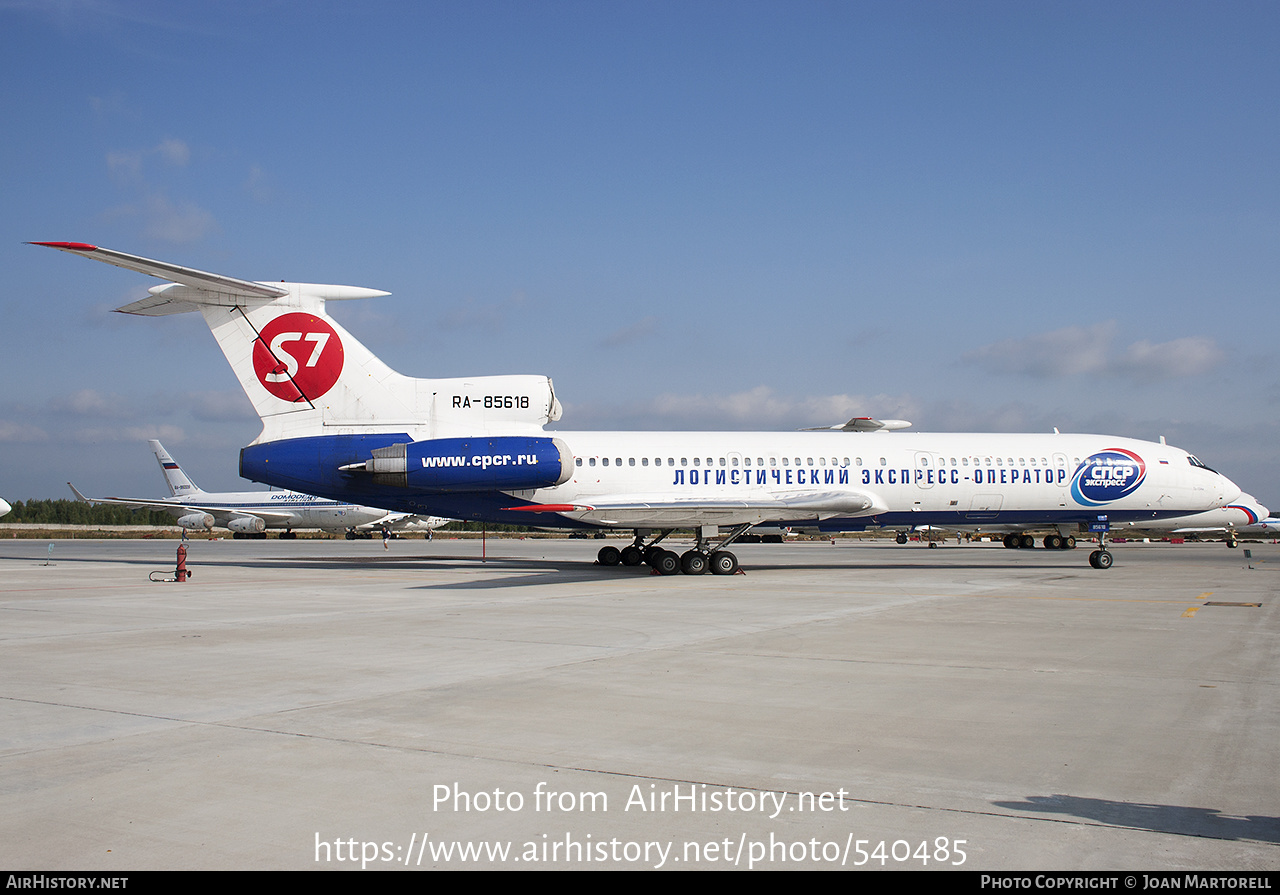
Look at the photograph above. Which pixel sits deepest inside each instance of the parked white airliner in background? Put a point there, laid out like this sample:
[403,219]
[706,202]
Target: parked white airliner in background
[1245,515]
[1269,527]
[249,513]
[340,423]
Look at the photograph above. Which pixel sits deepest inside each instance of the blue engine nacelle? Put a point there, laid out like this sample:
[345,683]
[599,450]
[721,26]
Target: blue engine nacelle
[504,463]
[329,464]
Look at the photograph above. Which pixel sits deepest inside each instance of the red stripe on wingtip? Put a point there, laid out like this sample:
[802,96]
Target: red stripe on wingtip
[73,246]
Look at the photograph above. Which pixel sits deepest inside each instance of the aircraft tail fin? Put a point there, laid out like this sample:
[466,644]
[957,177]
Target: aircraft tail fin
[174,477]
[307,376]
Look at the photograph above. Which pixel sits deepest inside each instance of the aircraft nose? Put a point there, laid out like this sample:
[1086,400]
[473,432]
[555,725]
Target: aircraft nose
[1229,490]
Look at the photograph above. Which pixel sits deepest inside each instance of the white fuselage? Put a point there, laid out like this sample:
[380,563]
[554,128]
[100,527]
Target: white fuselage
[277,509]
[906,478]
[339,421]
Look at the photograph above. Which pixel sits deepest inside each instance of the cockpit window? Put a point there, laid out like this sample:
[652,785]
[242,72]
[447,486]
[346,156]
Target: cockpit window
[1196,462]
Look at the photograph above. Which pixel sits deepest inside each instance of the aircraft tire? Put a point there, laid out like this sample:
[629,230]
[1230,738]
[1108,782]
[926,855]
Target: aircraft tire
[901,538]
[631,556]
[609,556]
[1027,541]
[1068,543]
[1053,542]
[1101,559]
[693,563]
[1011,541]
[723,563]
[666,562]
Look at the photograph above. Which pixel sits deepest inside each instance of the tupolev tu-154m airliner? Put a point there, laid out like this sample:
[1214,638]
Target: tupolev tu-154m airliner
[339,423]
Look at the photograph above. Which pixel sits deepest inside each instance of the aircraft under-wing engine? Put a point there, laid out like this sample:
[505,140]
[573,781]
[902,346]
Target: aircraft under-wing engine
[339,423]
[246,513]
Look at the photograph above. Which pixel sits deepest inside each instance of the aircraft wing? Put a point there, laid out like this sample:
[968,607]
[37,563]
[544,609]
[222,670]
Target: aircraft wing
[219,512]
[661,511]
[134,504]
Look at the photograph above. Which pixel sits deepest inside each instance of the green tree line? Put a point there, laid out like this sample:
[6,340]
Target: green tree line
[75,512]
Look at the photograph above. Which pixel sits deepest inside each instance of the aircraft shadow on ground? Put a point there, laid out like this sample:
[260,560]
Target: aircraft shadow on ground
[564,566]
[1180,820]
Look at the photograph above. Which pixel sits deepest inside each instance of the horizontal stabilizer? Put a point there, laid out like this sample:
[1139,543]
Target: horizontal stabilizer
[187,276]
[191,289]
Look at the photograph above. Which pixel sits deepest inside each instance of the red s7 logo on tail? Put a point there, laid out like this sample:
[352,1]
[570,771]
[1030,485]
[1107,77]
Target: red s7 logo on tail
[297,357]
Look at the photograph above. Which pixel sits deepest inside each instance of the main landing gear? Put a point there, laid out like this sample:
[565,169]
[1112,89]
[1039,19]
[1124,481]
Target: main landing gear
[1051,542]
[1099,559]
[702,558]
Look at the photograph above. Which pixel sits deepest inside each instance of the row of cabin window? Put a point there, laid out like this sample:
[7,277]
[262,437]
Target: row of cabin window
[822,461]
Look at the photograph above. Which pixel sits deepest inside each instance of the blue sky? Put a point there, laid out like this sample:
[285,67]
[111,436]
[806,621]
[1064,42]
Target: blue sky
[975,216]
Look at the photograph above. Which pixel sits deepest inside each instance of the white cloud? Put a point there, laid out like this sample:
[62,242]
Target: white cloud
[21,432]
[107,434]
[219,406]
[175,152]
[756,408]
[91,403]
[1063,352]
[636,332]
[161,217]
[182,223]
[258,186]
[125,166]
[1180,357]
[1088,351]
